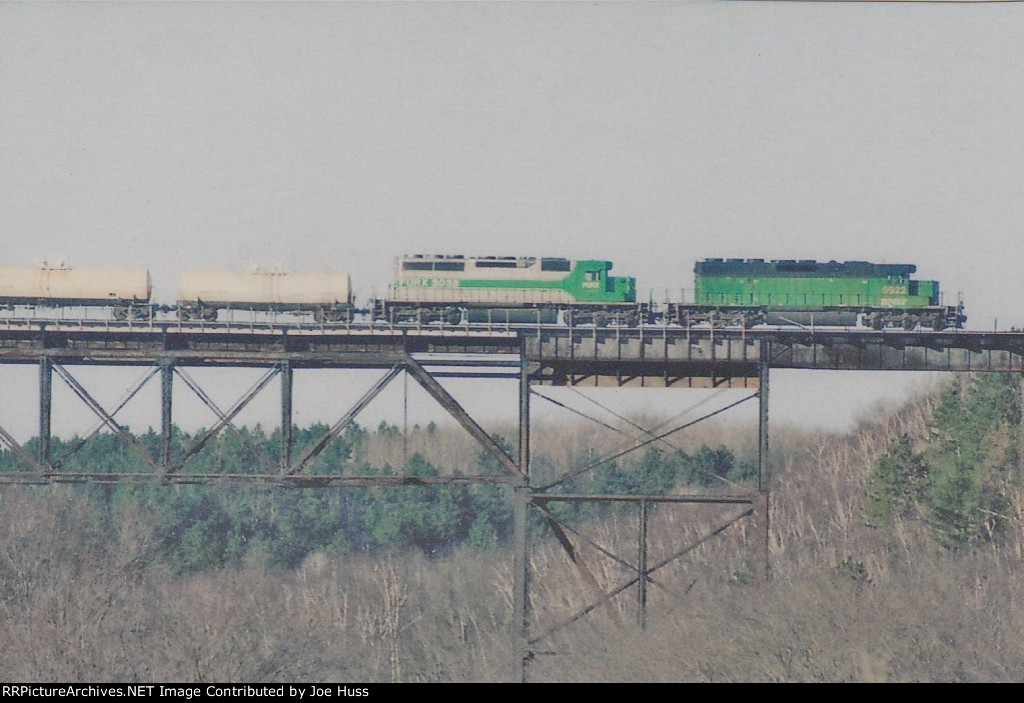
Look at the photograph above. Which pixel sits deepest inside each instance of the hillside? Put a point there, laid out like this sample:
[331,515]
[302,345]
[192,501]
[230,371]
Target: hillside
[896,554]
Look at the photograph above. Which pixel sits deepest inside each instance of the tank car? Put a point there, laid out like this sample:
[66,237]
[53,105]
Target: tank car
[751,291]
[125,291]
[327,295]
[508,289]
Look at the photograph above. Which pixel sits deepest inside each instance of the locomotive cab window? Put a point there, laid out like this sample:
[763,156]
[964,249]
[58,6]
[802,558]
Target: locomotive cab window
[449,266]
[554,265]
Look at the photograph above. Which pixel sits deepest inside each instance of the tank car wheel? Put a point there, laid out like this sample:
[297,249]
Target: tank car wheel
[908,323]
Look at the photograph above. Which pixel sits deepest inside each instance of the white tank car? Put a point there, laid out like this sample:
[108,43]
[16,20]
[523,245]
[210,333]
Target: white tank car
[326,294]
[56,286]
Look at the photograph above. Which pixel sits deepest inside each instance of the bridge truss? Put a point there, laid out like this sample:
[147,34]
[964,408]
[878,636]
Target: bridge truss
[532,356]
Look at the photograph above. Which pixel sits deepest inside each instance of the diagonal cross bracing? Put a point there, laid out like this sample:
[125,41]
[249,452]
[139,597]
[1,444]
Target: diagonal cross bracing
[540,504]
[581,567]
[221,415]
[613,457]
[132,392]
[346,420]
[649,433]
[636,579]
[223,422]
[107,418]
[20,451]
[444,398]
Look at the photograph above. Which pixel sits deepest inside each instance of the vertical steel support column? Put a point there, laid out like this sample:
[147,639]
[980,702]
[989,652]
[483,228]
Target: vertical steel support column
[762,425]
[763,524]
[521,581]
[166,416]
[520,512]
[641,614]
[763,464]
[45,407]
[524,420]
[286,416]
[1020,441]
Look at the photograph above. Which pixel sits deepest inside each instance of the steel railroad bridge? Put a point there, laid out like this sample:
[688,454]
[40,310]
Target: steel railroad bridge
[532,356]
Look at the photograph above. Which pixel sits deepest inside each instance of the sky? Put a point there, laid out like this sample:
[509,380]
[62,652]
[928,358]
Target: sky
[337,136]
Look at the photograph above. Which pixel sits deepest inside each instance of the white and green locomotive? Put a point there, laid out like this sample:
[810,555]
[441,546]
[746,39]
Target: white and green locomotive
[452,289]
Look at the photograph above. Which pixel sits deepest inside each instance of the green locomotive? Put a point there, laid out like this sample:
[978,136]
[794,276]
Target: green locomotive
[747,292]
[508,290]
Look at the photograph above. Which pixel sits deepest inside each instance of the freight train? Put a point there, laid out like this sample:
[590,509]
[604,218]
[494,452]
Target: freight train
[513,290]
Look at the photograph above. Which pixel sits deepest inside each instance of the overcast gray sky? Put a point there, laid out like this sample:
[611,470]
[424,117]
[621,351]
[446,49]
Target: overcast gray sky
[339,135]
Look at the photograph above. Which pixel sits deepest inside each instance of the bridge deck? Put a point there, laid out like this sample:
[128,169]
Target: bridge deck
[647,356]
